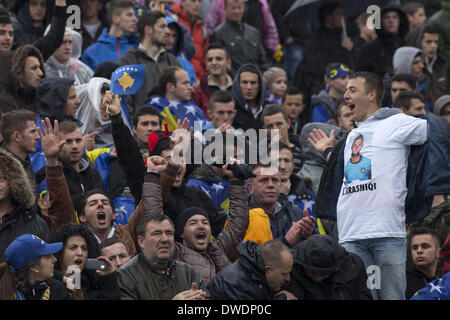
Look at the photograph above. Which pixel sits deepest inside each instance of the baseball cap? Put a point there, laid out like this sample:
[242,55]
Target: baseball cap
[28,247]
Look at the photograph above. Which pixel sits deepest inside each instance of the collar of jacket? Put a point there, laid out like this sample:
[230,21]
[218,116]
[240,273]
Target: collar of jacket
[158,268]
[84,164]
[25,163]
[235,25]
[252,204]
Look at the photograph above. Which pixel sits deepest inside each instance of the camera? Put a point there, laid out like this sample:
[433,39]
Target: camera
[94,264]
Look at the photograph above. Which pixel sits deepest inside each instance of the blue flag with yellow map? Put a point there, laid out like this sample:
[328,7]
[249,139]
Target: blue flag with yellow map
[128,79]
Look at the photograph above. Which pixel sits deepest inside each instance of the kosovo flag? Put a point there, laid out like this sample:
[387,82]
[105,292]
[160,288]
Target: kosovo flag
[128,79]
[438,289]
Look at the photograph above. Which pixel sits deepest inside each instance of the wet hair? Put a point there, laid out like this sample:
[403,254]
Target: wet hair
[116,7]
[271,252]
[292,90]
[272,109]
[158,217]
[221,97]
[15,120]
[148,19]
[404,77]
[404,98]
[419,230]
[372,82]
[216,46]
[144,110]
[80,206]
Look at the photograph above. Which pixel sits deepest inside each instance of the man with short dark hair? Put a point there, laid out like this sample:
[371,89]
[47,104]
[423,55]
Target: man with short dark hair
[93,21]
[274,117]
[115,42]
[218,64]
[410,103]
[116,251]
[402,82]
[141,277]
[436,65]
[425,247]
[20,137]
[258,274]
[294,105]
[152,27]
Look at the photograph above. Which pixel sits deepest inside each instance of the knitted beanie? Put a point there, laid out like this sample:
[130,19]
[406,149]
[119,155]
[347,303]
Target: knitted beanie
[185,215]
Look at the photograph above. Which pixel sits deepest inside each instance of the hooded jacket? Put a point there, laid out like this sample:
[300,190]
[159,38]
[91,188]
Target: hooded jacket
[107,48]
[324,106]
[376,55]
[52,94]
[403,58]
[416,280]
[25,217]
[24,31]
[244,118]
[322,255]
[245,279]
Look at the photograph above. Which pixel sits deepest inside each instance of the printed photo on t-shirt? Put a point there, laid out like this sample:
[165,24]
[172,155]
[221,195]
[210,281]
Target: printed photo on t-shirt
[358,167]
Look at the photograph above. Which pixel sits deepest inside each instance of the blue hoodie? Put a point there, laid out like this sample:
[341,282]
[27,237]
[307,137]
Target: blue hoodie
[107,48]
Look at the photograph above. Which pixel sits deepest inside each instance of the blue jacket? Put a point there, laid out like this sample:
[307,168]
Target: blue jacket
[107,48]
[428,173]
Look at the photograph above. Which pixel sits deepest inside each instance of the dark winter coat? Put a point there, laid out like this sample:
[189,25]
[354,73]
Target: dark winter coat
[245,279]
[142,279]
[35,291]
[25,217]
[376,56]
[320,254]
[415,280]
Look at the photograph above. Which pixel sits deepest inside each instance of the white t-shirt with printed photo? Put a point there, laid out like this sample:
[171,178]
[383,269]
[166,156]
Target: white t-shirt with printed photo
[371,203]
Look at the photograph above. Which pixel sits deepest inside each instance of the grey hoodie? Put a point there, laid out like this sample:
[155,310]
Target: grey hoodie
[403,58]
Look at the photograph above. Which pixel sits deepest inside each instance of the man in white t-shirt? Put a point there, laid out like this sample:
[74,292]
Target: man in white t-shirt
[371,211]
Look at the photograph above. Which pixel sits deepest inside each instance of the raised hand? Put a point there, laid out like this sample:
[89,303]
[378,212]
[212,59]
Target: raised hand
[51,145]
[89,140]
[156,164]
[320,141]
[111,102]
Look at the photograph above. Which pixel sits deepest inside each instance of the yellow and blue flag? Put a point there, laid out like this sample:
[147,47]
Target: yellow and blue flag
[128,79]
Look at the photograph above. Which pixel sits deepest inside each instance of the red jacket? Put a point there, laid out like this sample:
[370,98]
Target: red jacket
[200,38]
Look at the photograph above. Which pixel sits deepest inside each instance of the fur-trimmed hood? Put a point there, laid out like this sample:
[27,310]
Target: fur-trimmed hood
[20,187]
